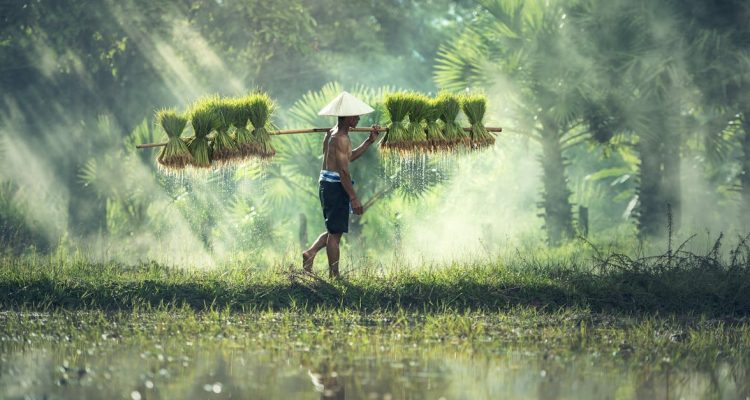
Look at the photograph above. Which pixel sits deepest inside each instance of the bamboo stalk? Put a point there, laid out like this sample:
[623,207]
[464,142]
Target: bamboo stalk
[308,130]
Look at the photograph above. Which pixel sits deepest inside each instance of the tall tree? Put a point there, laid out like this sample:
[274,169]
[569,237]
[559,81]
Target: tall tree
[638,57]
[525,48]
[719,58]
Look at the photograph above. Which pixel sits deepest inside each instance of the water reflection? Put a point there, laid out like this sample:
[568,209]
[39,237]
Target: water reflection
[326,381]
[221,371]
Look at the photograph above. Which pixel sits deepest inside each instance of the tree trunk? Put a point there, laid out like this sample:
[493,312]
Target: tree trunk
[660,184]
[651,213]
[558,212]
[745,173]
[302,231]
[671,183]
[397,235]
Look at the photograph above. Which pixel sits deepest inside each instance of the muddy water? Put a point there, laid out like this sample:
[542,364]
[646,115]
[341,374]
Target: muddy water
[181,369]
[180,354]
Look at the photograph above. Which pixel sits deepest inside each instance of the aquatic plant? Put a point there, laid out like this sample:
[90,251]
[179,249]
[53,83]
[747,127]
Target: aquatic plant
[239,116]
[434,130]
[449,106]
[224,146]
[175,154]
[260,107]
[418,109]
[397,107]
[474,106]
[204,121]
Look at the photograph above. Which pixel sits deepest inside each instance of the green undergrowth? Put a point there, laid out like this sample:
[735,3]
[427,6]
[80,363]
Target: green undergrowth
[677,282]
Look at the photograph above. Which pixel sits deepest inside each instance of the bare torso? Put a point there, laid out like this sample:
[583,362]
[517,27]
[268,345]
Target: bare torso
[333,144]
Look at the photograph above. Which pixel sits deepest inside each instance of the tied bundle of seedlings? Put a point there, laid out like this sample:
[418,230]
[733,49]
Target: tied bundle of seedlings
[418,108]
[449,106]
[175,154]
[260,108]
[434,130]
[474,106]
[397,106]
[225,147]
[204,122]
[239,116]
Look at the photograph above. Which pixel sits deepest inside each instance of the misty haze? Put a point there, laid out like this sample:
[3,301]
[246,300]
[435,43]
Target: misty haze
[556,203]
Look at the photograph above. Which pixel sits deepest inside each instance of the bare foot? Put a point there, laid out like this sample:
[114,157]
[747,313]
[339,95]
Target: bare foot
[307,261]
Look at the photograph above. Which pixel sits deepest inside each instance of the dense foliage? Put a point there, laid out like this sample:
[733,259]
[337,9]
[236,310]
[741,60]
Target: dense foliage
[636,110]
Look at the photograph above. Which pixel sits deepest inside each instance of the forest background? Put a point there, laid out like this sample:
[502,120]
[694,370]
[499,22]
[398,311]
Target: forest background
[632,112]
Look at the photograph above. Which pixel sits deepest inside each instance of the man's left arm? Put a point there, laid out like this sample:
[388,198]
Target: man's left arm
[362,147]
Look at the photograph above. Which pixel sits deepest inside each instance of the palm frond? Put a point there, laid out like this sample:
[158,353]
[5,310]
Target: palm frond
[459,64]
[304,112]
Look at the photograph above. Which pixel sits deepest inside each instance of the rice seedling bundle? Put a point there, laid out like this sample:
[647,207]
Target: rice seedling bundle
[175,154]
[432,126]
[397,105]
[260,108]
[224,146]
[474,106]
[239,117]
[418,108]
[449,106]
[204,122]
[434,130]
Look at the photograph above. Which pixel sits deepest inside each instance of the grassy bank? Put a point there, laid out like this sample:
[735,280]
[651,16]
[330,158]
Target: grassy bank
[676,282]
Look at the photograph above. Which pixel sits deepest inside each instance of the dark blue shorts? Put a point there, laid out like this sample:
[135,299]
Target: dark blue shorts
[335,203]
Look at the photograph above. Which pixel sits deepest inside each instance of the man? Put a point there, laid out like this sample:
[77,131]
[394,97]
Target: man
[336,188]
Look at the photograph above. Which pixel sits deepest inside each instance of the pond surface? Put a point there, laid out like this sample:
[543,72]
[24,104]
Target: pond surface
[343,360]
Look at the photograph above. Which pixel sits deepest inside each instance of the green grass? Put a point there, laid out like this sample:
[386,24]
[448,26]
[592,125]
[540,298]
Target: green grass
[519,325]
[676,283]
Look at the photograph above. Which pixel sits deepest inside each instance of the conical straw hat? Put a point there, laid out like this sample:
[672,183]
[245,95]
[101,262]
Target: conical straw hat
[345,105]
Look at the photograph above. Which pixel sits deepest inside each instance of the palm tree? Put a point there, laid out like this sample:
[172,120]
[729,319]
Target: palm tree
[638,57]
[526,45]
[717,34]
[140,208]
[124,205]
[16,232]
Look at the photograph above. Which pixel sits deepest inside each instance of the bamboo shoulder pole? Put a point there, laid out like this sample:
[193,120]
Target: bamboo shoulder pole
[308,130]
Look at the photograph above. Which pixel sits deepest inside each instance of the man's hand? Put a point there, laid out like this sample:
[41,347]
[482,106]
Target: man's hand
[374,133]
[357,206]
